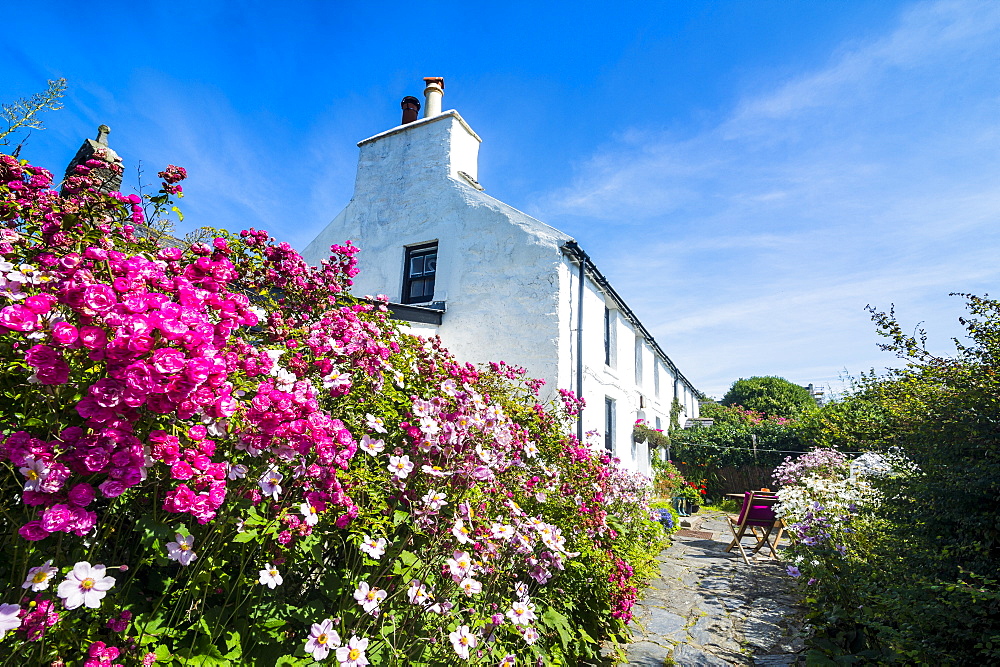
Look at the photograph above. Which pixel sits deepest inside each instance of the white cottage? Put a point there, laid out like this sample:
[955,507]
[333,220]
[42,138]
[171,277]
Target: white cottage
[496,284]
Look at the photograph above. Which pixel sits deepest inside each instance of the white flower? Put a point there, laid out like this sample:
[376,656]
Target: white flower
[418,593]
[370,446]
[461,533]
[470,586]
[337,380]
[35,472]
[85,585]
[434,500]
[521,612]
[180,550]
[459,565]
[309,512]
[270,577]
[502,530]
[369,598]
[8,618]
[38,577]
[376,424]
[321,638]
[285,380]
[530,635]
[353,655]
[270,483]
[521,590]
[429,426]
[530,450]
[373,547]
[463,640]
[400,466]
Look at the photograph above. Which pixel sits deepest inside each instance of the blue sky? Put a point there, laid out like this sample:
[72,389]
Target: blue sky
[749,175]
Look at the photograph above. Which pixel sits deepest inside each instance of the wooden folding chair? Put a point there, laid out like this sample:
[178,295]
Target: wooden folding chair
[757,512]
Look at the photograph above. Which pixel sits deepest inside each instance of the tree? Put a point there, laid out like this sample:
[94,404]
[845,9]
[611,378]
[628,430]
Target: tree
[770,396]
[23,113]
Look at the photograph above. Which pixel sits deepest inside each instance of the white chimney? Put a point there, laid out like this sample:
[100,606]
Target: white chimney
[432,95]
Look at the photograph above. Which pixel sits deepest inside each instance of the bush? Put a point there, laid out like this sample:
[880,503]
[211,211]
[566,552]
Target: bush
[213,455]
[906,573]
[738,440]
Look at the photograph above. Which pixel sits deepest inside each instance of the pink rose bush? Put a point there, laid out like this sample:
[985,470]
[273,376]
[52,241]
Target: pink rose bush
[183,482]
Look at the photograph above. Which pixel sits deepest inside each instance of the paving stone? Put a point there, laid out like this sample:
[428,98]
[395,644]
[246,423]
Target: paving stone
[778,660]
[686,655]
[714,631]
[666,624]
[647,654]
[710,608]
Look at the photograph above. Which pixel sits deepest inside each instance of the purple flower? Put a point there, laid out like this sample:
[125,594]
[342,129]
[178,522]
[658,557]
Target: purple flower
[794,571]
[180,550]
[9,618]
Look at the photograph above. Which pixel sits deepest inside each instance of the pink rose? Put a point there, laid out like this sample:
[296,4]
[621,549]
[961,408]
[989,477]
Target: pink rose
[99,298]
[167,361]
[41,356]
[33,531]
[81,495]
[112,488]
[18,318]
[57,517]
[64,333]
[93,338]
[57,373]
[40,303]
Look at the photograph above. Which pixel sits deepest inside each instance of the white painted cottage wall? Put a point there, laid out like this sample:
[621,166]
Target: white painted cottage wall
[407,192]
[511,293]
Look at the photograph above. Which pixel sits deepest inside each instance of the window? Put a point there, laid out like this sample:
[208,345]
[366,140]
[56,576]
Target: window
[420,268]
[609,424]
[656,377]
[659,425]
[607,336]
[638,361]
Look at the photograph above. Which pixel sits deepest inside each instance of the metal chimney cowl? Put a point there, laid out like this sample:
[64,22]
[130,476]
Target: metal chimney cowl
[433,92]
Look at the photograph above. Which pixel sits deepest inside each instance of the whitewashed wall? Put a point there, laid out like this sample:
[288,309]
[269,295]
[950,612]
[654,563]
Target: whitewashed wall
[497,268]
[511,293]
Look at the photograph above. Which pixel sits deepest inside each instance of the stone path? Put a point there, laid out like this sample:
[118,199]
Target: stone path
[709,608]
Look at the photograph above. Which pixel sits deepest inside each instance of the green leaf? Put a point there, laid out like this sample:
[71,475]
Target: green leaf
[180,216]
[245,536]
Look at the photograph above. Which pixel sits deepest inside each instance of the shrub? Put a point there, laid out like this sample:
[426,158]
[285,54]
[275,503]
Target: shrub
[214,455]
[903,549]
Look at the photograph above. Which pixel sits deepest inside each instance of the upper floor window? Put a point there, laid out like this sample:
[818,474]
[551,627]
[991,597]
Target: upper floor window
[418,278]
[638,361]
[607,336]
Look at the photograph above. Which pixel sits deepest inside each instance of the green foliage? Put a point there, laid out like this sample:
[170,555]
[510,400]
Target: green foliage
[919,585]
[667,479]
[771,396]
[738,438]
[655,438]
[23,113]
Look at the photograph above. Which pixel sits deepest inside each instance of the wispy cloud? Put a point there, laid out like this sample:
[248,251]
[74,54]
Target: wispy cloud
[875,178]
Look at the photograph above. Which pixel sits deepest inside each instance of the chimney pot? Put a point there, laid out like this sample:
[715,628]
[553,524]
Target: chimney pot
[433,92]
[410,106]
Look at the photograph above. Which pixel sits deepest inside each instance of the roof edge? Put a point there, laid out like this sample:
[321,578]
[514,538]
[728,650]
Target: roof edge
[451,113]
[573,249]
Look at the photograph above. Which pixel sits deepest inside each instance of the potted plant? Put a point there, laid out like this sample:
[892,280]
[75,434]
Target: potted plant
[691,497]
